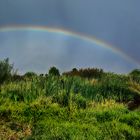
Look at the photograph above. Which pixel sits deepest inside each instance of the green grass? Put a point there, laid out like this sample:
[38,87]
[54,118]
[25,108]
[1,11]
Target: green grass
[63,108]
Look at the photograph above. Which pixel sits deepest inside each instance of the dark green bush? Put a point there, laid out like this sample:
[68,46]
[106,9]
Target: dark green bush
[53,71]
[5,70]
[135,75]
[115,87]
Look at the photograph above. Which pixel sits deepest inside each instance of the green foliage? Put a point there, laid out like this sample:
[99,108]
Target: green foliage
[86,73]
[30,75]
[135,72]
[80,101]
[131,119]
[69,107]
[5,70]
[116,87]
[54,71]
[135,75]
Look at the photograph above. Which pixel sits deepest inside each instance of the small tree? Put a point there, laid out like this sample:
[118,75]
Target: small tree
[5,70]
[74,70]
[30,74]
[54,71]
[135,74]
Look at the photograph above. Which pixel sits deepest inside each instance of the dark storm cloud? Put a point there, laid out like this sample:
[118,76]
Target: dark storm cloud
[117,22]
[29,12]
[114,21]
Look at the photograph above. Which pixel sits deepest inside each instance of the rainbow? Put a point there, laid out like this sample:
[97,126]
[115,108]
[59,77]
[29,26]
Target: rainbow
[62,31]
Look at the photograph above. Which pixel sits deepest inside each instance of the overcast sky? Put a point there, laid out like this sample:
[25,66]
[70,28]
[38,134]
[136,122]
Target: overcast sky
[115,21]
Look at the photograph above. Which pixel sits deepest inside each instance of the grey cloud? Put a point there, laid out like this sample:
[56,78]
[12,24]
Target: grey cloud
[38,51]
[116,22]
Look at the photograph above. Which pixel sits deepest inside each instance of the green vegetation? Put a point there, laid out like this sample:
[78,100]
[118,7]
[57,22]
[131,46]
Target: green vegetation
[70,106]
[135,75]
[5,70]
[54,71]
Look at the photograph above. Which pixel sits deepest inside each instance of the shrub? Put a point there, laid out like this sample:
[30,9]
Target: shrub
[114,86]
[135,75]
[5,70]
[54,71]
[30,75]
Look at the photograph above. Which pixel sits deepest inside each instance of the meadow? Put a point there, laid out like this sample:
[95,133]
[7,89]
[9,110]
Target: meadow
[71,106]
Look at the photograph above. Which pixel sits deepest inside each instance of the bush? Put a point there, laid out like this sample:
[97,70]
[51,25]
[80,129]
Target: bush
[80,101]
[5,70]
[135,75]
[30,75]
[54,71]
[116,87]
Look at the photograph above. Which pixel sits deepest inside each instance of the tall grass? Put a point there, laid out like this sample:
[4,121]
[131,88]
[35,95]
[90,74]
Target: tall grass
[63,107]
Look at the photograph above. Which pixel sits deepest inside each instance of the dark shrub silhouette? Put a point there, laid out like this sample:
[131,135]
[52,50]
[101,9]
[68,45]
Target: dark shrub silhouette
[5,70]
[54,71]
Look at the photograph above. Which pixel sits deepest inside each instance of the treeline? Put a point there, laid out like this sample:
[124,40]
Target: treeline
[8,73]
[85,73]
[91,83]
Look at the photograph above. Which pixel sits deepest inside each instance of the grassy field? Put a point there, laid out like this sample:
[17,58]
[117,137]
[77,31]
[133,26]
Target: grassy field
[70,108]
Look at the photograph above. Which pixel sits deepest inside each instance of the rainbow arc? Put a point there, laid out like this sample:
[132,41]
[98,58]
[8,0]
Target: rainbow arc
[65,32]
